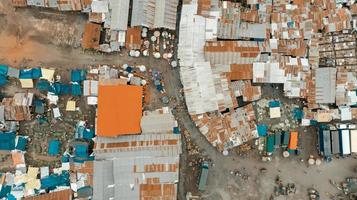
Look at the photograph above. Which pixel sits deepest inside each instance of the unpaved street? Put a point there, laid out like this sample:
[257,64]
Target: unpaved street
[28,41]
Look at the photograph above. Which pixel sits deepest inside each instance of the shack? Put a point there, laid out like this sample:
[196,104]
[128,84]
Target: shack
[203,176]
[325,143]
[335,142]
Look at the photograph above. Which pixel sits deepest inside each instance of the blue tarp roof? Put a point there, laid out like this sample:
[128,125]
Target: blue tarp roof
[76,90]
[82,160]
[78,75]
[7,141]
[274,104]
[3,80]
[52,181]
[39,106]
[5,190]
[88,133]
[43,85]
[3,70]
[21,143]
[298,113]
[176,130]
[34,73]
[53,148]
[270,143]
[81,150]
[65,158]
[262,130]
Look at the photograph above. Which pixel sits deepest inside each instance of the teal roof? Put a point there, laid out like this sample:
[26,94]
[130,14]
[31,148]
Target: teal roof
[53,148]
[7,141]
[262,130]
[21,143]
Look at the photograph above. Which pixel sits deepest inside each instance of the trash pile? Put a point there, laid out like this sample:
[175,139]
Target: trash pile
[313,194]
[280,115]
[283,190]
[348,189]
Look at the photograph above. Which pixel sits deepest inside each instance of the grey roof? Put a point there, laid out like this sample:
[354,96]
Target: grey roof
[119,14]
[36,3]
[13,72]
[2,113]
[154,13]
[52,3]
[102,178]
[130,167]
[128,182]
[325,85]
[326,143]
[335,142]
[157,123]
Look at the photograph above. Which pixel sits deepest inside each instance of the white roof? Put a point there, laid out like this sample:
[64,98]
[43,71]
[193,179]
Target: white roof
[346,113]
[199,88]
[100,6]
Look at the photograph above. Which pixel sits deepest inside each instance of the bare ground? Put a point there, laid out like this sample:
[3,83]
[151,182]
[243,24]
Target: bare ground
[28,41]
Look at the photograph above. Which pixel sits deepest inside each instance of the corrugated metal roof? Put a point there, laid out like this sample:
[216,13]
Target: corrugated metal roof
[157,122]
[102,178]
[325,85]
[154,13]
[119,14]
[57,195]
[199,88]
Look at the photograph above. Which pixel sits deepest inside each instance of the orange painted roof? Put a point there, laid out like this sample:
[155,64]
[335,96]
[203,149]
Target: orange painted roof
[293,143]
[119,110]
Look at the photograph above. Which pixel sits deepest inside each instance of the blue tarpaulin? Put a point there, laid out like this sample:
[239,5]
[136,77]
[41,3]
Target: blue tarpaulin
[34,73]
[298,113]
[65,158]
[129,69]
[262,130]
[176,130]
[81,150]
[43,85]
[274,104]
[52,181]
[3,70]
[88,133]
[53,148]
[76,90]
[5,190]
[78,75]
[82,160]
[60,88]
[7,141]
[3,80]
[39,106]
[21,143]
[11,197]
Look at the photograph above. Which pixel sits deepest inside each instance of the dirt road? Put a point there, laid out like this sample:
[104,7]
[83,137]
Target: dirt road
[30,41]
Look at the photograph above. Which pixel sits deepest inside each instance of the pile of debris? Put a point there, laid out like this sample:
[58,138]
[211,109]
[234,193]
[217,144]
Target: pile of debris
[282,189]
[348,189]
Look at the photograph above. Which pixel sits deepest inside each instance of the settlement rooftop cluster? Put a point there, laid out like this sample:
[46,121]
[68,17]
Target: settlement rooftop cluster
[226,49]
[110,27]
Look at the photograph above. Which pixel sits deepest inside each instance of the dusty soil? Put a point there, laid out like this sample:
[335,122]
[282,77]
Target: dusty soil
[30,41]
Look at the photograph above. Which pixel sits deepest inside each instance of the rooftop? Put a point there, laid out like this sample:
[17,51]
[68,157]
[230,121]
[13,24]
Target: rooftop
[119,110]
